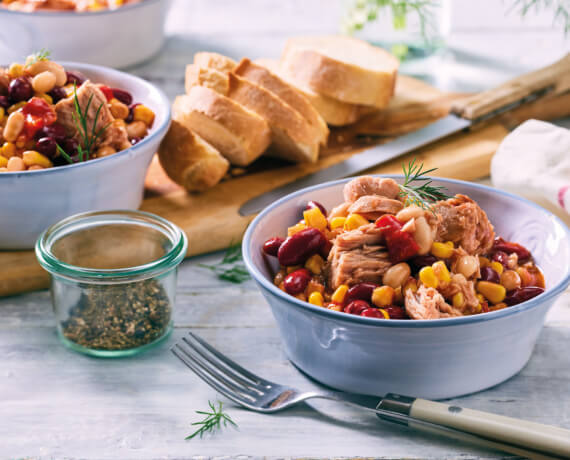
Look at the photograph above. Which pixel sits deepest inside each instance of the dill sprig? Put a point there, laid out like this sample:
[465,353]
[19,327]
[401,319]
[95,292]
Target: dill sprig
[215,419]
[423,194]
[231,268]
[41,55]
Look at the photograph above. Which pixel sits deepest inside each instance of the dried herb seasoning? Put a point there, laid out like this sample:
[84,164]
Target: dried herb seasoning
[119,317]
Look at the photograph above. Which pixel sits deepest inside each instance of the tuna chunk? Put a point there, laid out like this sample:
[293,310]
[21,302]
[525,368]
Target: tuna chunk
[368,185]
[457,284]
[357,256]
[464,223]
[339,211]
[67,117]
[427,303]
[373,206]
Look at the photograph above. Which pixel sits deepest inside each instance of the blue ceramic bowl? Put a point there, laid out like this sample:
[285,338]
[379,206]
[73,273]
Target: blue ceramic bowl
[433,359]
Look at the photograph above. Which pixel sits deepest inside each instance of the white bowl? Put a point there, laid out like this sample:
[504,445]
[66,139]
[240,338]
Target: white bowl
[435,359]
[114,38]
[34,200]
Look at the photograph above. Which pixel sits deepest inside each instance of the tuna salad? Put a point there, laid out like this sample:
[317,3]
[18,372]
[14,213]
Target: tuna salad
[51,116]
[396,252]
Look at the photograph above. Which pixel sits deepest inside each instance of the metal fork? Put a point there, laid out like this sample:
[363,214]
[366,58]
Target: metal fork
[487,430]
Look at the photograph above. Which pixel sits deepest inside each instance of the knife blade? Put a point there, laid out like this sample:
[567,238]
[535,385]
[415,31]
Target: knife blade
[363,161]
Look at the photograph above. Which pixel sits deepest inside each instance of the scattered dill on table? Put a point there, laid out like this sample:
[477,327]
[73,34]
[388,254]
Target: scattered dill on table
[215,419]
[231,268]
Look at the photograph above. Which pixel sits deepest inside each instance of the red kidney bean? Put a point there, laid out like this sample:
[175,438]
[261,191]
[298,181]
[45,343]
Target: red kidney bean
[509,247]
[131,114]
[54,131]
[420,262]
[57,94]
[70,146]
[20,89]
[4,102]
[356,307]
[488,274]
[316,204]
[296,282]
[74,76]
[523,294]
[361,291]
[272,245]
[396,312]
[136,140]
[122,95]
[324,252]
[501,257]
[47,146]
[372,313]
[299,247]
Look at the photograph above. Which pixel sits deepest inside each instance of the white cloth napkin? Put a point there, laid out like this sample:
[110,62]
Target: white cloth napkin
[534,161]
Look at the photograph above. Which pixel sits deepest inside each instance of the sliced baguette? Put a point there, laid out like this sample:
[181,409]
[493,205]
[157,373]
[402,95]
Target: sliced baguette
[189,160]
[205,76]
[214,61]
[333,111]
[239,134]
[344,68]
[292,136]
[270,81]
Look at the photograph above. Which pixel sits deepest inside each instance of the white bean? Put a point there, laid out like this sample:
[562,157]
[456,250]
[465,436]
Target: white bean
[397,275]
[42,66]
[467,265]
[14,126]
[410,212]
[43,82]
[423,235]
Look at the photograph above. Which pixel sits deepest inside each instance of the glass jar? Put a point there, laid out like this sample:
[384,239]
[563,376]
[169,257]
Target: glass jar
[113,279]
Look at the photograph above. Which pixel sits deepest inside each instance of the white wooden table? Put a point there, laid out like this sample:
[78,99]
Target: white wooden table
[58,404]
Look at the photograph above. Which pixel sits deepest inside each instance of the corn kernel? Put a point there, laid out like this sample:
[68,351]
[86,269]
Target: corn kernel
[21,142]
[2,112]
[441,271]
[478,308]
[337,222]
[384,313]
[144,114]
[31,157]
[296,229]
[8,149]
[383,296]
[353,221]
[442,250]
[45,97]
[499,306]
[410,284]
[315,218]
[498,267]
[480,298]
[458,300]
[492,291]
[15,70]
[3,161]
[334,307]
[398,295]
[450,244]
[315,264]
[292,268]
[316,298]
[16,106]
[484,262]
[428,277]
[339,294]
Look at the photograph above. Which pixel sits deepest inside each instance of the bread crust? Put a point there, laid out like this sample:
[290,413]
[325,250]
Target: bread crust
[340,79]
[292,96]
[214,61]
[238,133]
[208,77]
[189,160]
[292,135]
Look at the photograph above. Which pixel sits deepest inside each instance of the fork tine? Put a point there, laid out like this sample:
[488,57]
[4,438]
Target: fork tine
[219,368]
[210,375]
[228,362]
[206,379]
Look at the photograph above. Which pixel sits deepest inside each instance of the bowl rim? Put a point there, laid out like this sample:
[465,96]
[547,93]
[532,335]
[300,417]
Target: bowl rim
[399,323]
[159,131]
[66,14]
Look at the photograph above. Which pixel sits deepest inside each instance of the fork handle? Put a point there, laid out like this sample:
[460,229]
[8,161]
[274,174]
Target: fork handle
[520,433]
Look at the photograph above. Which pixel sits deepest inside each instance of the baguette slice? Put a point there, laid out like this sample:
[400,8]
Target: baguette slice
[344,68]
[239,134]
[205,76]
[266,79]
[333,111]
[214,61]
[292,136]
[189,160]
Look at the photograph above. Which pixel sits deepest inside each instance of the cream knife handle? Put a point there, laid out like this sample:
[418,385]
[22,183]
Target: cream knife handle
[543,438]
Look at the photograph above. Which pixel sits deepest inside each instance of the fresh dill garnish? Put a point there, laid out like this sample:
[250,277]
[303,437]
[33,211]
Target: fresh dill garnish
[231,268]
[63,153]
[422,194]
[41,55]
[213,420]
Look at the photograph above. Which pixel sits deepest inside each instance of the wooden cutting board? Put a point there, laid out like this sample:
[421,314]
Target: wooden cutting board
[211,219]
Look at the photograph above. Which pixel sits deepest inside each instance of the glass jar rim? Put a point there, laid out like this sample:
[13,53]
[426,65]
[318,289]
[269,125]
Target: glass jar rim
[57,267]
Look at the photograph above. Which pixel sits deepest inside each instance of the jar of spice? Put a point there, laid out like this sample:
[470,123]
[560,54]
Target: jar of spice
[113,279]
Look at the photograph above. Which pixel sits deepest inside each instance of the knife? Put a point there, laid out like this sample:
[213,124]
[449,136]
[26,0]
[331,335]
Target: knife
[551,80]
